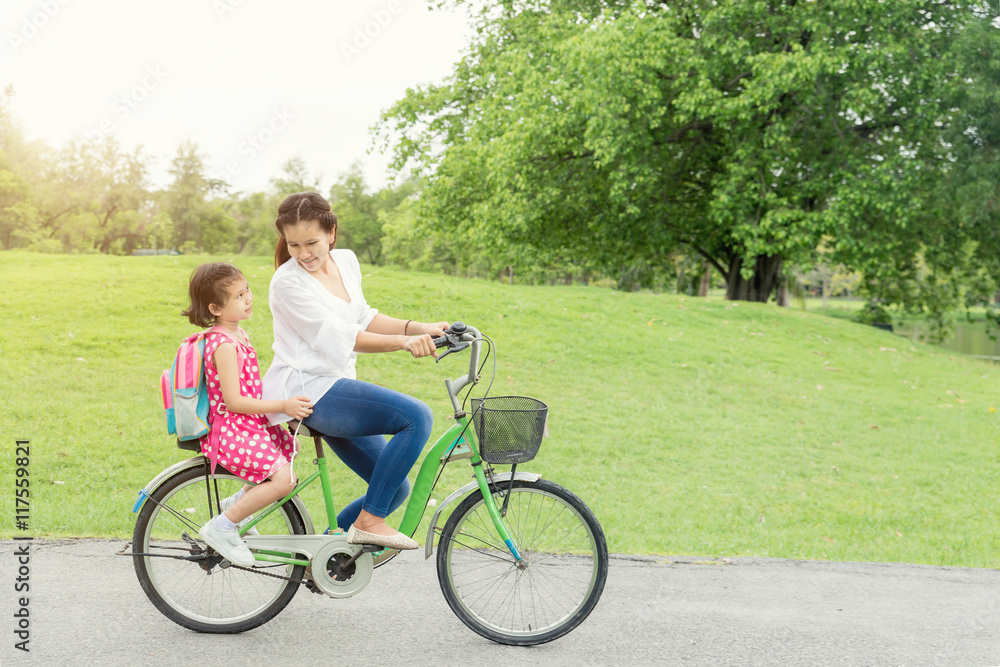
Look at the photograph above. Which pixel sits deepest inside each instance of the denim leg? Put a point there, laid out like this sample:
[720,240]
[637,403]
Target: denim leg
[356,415]
[360,455]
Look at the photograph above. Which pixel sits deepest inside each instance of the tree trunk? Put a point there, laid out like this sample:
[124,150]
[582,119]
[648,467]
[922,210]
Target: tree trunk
[766,271]
[706,280]
[783,297]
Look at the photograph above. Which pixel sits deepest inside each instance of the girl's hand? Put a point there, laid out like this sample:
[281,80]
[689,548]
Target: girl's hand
[298,407]
[420,346]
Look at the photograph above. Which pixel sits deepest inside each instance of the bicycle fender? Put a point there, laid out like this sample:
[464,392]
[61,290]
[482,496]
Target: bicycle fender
[197,461]
[471,486]
[155,483]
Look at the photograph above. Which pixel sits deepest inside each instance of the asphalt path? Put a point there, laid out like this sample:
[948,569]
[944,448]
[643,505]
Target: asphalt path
[85,607]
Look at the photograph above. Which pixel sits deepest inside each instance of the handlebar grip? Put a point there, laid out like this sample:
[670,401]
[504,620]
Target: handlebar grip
[452,339]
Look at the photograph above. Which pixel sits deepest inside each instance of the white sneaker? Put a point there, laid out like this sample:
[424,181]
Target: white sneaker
[228,543]
[226,503]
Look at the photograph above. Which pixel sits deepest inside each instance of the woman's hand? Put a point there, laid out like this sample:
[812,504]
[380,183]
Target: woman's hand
[420,346]
[429,328]
[298,407]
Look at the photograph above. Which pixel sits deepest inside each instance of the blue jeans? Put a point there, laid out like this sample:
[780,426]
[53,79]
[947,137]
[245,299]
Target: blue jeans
[355,415]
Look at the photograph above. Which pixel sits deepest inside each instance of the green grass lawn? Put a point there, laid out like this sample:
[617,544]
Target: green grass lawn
[690,426]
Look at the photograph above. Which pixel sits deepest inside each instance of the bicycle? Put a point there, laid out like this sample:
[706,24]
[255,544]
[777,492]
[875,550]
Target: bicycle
[520,560]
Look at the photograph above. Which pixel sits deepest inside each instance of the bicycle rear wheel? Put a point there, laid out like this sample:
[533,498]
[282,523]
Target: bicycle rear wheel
[566,564]
[192,589]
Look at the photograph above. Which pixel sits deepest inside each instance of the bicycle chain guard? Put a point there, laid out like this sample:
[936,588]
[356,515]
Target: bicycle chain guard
[337,567]
[335,574]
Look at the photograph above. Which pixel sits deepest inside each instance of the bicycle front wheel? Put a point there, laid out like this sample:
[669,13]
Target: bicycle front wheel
[566,564]
[192,589]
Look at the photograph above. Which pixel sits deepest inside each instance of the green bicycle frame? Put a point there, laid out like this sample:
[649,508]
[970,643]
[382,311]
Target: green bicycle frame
[457,435]
[460,433]
[323,473]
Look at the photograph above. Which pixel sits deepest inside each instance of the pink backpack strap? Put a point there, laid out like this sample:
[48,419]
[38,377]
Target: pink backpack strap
[189,364]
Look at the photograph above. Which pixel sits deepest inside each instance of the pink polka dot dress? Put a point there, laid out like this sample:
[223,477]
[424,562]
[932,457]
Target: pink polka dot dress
[245,445]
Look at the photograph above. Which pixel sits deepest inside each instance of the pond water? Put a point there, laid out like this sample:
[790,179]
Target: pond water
[969,338]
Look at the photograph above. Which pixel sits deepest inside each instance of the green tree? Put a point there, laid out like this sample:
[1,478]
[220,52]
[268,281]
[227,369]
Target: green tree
[363,214]
[295,177]
[18,215]
[973,187]
[218,229]
[357,210]
[21,162]
[121,202]
[86,196]
[745,131]
[158,230]
[185,199]
[254,215]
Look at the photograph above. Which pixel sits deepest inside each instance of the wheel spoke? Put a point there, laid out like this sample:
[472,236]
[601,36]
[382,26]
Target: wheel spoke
[563,574]
[223,599]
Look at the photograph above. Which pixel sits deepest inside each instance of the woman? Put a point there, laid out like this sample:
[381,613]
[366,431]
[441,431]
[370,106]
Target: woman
[321,322]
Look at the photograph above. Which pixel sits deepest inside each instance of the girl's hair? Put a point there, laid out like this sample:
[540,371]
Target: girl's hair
[209,284]
[302,207]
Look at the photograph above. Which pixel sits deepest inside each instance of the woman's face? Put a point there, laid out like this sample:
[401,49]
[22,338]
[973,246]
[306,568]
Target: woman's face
[308,244]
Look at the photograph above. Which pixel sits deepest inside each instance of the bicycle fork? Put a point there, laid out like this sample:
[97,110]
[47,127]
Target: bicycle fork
[445,449]
[494,512]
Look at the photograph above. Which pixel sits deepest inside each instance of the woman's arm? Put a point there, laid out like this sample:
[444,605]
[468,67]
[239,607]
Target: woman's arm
[385,334]
[383,324]
[225,360]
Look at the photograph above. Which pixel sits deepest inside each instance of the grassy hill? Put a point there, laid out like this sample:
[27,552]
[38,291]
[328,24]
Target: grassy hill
[690,426]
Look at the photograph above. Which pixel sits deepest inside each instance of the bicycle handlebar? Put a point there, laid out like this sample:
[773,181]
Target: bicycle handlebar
[458,337]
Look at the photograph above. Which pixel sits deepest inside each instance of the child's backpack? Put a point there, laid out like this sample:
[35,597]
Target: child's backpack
[184,390]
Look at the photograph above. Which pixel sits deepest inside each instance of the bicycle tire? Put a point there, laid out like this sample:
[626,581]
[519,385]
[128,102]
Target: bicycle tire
[567,564]
[221,599]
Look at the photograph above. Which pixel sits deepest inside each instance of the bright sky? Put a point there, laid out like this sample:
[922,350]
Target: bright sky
[252,82]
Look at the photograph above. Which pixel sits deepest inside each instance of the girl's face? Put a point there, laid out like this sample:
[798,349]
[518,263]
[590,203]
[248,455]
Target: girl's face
[309,244]
[239,303]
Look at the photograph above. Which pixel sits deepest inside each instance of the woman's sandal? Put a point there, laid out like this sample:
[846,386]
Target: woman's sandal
[397,541]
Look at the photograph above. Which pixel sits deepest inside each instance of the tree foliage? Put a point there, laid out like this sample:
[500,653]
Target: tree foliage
[94,196]
[746,131]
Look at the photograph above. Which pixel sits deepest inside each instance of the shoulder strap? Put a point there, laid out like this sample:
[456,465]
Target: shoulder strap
[186,368]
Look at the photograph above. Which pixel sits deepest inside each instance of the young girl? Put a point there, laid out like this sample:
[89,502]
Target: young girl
[239,439]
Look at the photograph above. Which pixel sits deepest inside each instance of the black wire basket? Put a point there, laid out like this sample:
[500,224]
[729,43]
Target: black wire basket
[509,428]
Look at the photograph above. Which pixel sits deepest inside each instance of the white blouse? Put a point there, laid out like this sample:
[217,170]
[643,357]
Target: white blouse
[314,331]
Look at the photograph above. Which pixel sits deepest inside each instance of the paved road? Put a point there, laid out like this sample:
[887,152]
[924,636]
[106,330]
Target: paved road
[86,608]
